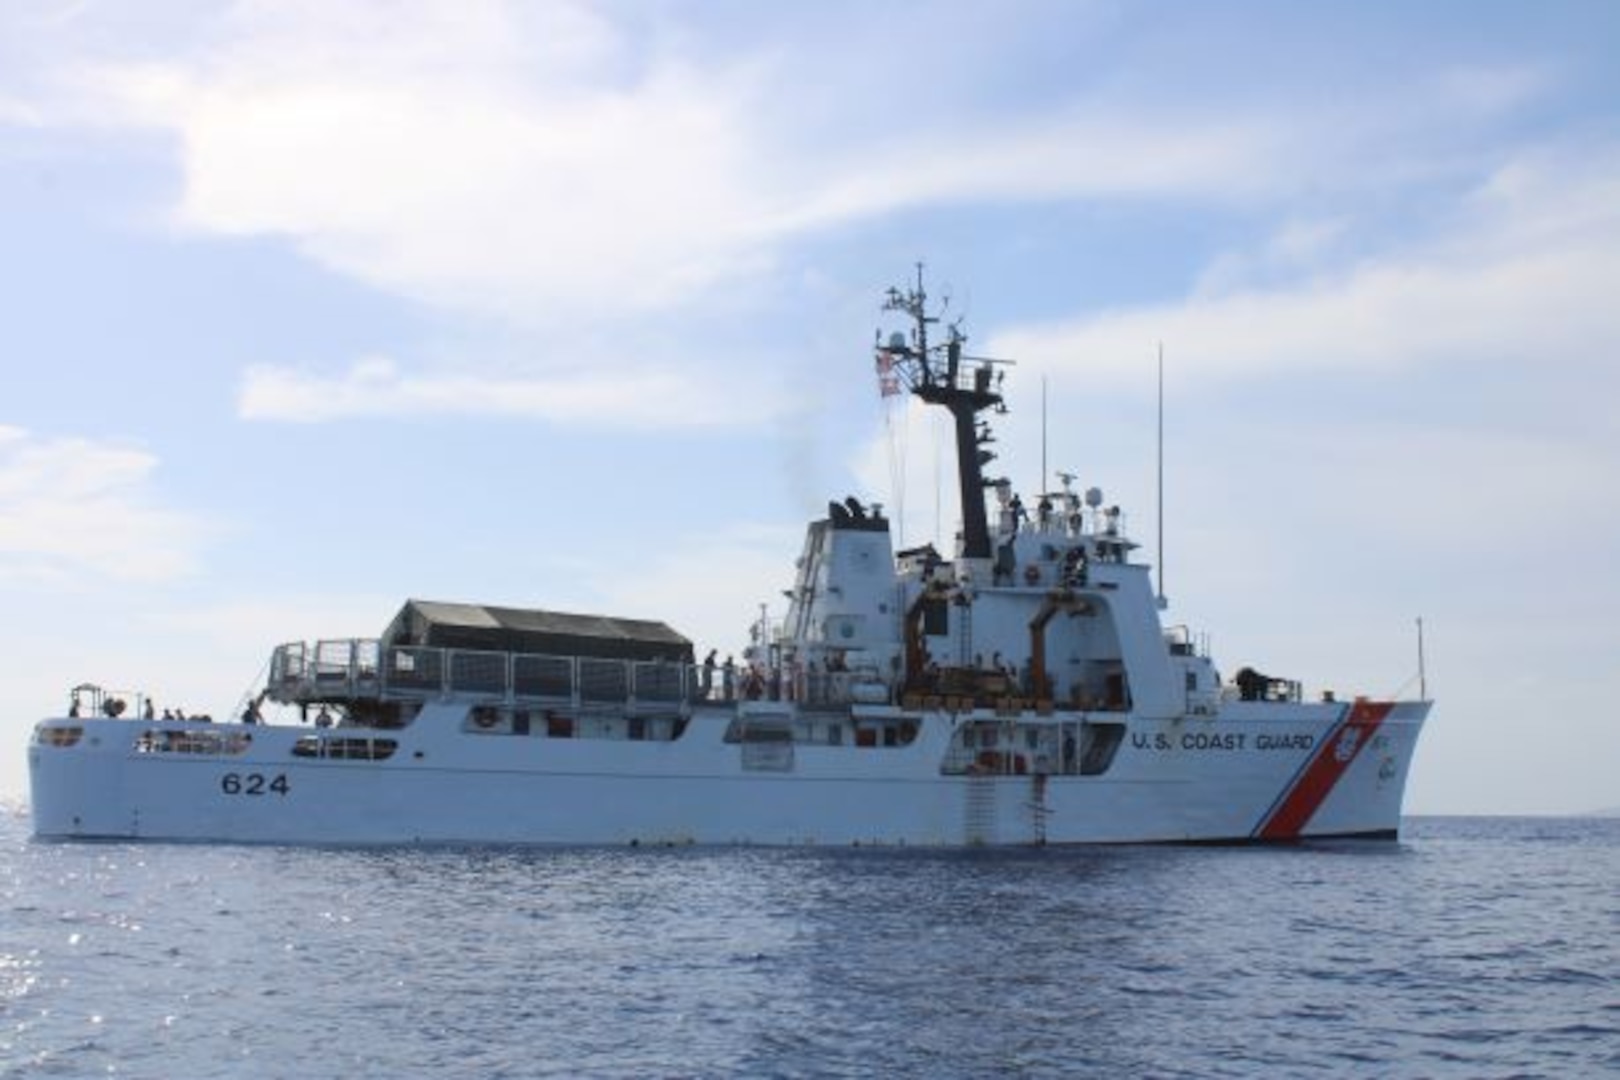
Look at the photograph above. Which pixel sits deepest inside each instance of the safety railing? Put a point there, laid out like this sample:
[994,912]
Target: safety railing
[340,669]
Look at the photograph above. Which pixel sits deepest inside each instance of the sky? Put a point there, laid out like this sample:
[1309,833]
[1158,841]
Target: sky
[309,309]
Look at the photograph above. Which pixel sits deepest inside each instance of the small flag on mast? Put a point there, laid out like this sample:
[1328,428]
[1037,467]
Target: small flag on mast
[888,381]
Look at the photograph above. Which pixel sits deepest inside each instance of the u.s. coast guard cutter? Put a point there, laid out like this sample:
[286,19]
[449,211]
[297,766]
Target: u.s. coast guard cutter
[1019,691]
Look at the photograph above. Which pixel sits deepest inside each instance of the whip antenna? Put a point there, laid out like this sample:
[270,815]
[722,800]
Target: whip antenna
[1160,560]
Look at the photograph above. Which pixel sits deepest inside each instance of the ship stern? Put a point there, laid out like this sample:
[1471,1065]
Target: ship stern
[76,780]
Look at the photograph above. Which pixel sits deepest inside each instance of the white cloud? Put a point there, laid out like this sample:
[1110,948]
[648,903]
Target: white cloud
[1491,90]
[15,113]
[1296,249]
[1525,269]
[487,159]
[71,506]
[557,166]
[1073,155]
[258,623]
[376,386]
[462,154]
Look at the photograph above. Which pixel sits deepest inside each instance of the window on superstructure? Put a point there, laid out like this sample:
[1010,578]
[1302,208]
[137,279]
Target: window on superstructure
[176,741]
[1101,742]
[344,749]
[59,736]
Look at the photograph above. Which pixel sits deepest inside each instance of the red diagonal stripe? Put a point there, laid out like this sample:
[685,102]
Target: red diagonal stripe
[1332,758]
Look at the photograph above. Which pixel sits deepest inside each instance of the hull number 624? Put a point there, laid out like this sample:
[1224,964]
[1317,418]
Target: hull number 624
[254,784]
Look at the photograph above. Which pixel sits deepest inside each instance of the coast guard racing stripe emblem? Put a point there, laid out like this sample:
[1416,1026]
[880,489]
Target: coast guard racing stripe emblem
[1306,792]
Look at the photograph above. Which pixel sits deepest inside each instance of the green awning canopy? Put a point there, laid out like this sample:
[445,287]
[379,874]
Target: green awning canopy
[528,630]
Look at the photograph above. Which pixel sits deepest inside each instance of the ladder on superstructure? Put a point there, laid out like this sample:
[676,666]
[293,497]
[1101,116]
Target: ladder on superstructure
[1038,809]
[964,642]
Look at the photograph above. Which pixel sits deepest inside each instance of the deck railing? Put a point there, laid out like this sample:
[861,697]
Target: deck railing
[350,668]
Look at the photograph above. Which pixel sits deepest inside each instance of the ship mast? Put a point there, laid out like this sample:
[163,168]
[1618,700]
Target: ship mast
[940,375]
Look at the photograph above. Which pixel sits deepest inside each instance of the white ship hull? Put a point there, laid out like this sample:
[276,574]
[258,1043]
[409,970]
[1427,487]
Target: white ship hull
[1255,772]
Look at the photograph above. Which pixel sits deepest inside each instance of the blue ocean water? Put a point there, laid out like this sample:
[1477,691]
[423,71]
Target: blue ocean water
[1474,948]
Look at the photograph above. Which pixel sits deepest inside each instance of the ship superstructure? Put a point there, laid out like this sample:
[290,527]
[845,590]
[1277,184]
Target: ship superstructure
[1020,689]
